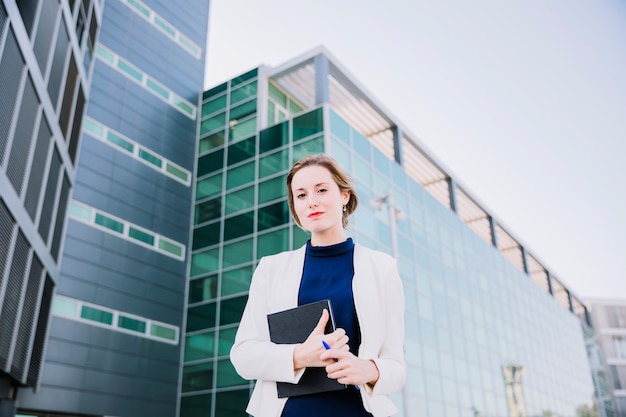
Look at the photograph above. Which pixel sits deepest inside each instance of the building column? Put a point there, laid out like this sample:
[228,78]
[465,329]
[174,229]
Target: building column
[452,194]
[397,144]
[524,259]
[550,288]
[570,301]
[321,79]
[494,234]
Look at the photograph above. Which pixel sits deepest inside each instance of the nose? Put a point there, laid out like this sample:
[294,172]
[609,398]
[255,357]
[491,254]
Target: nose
[312,201]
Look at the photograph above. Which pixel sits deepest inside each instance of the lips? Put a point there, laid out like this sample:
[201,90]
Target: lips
[315,215]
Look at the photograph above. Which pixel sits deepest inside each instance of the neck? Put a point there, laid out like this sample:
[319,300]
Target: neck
[320,239]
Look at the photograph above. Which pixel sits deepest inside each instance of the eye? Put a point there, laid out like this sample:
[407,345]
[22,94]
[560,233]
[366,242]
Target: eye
[322,190]
[300,195]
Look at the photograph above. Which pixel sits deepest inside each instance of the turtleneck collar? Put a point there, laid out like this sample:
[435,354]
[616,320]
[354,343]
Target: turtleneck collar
[330,250]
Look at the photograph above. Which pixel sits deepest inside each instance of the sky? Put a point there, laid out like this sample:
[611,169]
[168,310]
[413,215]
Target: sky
[523,102]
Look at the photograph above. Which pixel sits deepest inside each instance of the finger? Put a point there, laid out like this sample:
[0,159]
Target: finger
[338,333]
[321,324]
[329,355]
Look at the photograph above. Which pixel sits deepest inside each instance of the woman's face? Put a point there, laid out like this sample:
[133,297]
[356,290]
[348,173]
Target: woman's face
[318,203]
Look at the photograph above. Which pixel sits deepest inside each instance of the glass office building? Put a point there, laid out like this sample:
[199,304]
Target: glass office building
[117,311]
[490,331]
[609,322]
[45,64]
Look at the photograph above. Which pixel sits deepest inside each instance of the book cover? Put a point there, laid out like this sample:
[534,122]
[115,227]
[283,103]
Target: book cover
[294,326]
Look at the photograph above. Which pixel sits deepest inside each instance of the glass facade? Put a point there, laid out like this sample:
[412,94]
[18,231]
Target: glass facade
[482,338]
[124,79]
[130,241]
[45,65]
[609,320]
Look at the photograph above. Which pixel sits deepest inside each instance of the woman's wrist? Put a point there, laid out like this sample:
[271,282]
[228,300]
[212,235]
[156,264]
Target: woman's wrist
[296,358]
[375,373]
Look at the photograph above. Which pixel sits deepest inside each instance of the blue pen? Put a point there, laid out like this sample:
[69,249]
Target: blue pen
[327,347]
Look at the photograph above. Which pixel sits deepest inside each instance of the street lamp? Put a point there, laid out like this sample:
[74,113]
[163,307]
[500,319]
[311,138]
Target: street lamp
[395,215]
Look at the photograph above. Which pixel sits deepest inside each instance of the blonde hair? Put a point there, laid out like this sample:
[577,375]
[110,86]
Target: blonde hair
[343,181]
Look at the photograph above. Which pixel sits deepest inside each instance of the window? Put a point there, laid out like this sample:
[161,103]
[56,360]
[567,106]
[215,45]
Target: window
[274,163]
[210,163]
[150,157]
[272,189]
[163,331]
[174,248]
[206,236]
[238,226]
[109,223]
[240,175]
[212,141]
[228,377]
[619,346]
[239,130]
[236,280]
[207,211]
[142,236]
[177,171]
[243,110]
[138,6]
[226,341]
[199,346]
[69,308]
[135,150]
[237,253]
[312,146]
[130,70]
[240,200]
[273,215]
[273,242]
[204,262]
[157,88]
[197,377]
[79,211]
[96,314]
[241,151]
[62,306]
[204,289]
[126,230]
[274,137]
[214,105]
[308,124]
[144,80]
[165,26]
[133,324]
[242,93]
[119,141]
[201,317]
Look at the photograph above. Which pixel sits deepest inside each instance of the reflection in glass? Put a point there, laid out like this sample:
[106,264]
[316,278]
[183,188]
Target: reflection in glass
[514,391]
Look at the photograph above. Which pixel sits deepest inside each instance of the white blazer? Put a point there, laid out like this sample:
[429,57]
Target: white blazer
[379,302]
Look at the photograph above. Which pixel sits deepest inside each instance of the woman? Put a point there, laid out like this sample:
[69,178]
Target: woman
[366,349]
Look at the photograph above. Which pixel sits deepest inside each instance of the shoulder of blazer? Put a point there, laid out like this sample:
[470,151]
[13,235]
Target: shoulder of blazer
[363,253]
[285,256]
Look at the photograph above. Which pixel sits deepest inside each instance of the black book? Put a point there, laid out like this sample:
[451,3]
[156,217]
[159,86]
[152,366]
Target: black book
[294,326]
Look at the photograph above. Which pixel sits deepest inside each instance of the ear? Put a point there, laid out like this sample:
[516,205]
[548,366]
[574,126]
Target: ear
[345,197]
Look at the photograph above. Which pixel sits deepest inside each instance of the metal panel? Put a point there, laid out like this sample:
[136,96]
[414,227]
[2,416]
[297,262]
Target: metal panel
[11,70]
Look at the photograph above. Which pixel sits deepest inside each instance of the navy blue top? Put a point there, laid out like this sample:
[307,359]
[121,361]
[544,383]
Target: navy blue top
[327,273]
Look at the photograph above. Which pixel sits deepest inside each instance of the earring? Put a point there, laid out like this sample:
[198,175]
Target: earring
[344,208]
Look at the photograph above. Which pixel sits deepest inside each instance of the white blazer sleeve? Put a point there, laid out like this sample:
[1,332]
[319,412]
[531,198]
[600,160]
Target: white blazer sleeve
[253,355]
[390,361]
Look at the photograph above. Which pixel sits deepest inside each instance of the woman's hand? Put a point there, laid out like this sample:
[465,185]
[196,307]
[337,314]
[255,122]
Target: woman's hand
[348,369]
[308,353]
